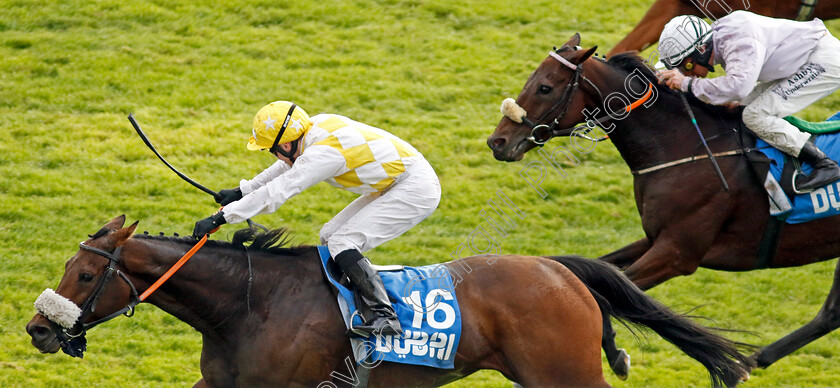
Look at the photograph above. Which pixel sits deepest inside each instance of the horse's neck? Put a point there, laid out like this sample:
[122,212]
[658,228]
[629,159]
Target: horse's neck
[663,132]
[212,288]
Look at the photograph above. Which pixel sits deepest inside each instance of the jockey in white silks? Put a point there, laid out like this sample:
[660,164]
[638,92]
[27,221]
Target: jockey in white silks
[398,188]
[774,68]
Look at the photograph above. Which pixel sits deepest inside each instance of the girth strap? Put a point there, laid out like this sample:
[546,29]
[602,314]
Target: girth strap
[362,374]
[685,160]
[769,244]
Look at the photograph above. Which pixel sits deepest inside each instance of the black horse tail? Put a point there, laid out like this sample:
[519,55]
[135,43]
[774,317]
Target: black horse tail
[618,297]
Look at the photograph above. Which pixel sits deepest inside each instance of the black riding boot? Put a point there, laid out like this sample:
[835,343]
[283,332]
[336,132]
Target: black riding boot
[825,170]
[369,286]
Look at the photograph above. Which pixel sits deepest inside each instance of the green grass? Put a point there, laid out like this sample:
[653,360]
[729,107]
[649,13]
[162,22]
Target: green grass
[431,71]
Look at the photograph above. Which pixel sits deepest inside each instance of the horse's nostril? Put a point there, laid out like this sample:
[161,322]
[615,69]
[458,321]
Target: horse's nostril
[37,331]
[497,143]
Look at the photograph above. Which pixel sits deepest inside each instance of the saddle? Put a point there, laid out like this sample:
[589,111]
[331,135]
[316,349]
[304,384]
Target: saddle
[426,304]
[776,170]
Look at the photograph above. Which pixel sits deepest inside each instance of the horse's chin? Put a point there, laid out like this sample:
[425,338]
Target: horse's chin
[48,348]
[515,153]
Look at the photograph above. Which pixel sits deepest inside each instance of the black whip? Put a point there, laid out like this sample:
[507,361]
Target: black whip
[218,197]
[708,151]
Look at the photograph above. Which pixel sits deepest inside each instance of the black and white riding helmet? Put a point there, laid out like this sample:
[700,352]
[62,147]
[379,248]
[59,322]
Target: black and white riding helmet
[682,38]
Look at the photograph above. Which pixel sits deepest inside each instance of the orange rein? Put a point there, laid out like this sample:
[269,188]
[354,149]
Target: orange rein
[174,268]
[642,100]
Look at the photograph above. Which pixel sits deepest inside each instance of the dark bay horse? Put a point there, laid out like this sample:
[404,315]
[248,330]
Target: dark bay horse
[647,31]
[285,329]
[688,219]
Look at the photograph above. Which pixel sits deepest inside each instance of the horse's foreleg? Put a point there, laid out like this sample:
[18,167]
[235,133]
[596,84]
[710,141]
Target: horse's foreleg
[666,259]
[627,255]
[826,321]
[618,358]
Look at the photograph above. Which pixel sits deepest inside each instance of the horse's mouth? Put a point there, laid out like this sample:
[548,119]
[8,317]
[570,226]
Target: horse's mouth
[50,347]
[43,336]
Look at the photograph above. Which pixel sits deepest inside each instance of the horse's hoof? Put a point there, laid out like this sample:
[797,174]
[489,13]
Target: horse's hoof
[746,374]
[621,365]
[744,377]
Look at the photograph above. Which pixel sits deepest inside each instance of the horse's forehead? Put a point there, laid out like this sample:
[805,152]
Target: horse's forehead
[547,70]
[545,73]
[82,258]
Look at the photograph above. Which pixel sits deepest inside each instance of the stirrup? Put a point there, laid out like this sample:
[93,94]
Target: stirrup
[797,172]
[356,331]
[353,332]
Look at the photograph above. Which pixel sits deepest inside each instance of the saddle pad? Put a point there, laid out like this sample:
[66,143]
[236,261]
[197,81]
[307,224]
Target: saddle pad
[820,203]
[425,302]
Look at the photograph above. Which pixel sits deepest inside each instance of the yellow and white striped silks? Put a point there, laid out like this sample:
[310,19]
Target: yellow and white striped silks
[374,158]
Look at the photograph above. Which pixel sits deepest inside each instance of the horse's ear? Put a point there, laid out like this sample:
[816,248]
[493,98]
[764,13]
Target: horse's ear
[574,41]
[579,56]
[124,233]
[116,223]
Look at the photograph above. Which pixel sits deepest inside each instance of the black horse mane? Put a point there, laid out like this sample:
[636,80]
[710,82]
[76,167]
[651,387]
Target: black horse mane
[630,61]
[272,241]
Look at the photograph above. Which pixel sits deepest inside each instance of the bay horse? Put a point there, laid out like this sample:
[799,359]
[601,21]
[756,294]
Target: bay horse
[647,31]
[689,220]
[283,328]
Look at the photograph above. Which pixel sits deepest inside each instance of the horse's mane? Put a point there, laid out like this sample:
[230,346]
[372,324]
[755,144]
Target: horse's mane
[631,61]
[272,241]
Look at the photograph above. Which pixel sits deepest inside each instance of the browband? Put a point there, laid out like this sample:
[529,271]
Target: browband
[563,60]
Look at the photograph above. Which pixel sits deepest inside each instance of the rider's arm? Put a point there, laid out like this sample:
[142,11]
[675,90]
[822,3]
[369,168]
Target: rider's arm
[742,58]
[248,186]
[317,163]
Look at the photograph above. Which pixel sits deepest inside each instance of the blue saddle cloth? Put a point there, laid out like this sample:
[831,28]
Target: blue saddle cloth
[425,302]
[820,203]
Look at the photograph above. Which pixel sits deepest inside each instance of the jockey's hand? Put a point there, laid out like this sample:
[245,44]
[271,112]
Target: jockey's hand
[229,195]
[673,78]
[209,224]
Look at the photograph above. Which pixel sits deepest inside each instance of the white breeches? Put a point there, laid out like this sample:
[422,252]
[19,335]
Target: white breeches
[374,219]
[819,77]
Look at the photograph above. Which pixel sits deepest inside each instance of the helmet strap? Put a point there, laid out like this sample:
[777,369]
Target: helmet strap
[280,133]
[291,153]
[702,58]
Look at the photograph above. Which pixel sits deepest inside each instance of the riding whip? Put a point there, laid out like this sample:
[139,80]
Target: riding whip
[703,139]
[143,136]
[218,197]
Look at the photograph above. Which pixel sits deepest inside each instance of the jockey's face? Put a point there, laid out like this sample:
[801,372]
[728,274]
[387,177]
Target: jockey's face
[691,69]
[689,66]
[286,147]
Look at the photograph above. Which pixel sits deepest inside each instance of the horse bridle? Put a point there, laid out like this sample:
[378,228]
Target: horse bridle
[65,335]
[542,133]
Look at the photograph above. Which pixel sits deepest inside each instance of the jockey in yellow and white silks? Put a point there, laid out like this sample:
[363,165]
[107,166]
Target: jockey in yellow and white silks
[774,68]
[398,188]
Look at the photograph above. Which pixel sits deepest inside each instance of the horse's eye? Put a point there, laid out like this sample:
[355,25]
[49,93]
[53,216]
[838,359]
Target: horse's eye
[85,277]
[544,89]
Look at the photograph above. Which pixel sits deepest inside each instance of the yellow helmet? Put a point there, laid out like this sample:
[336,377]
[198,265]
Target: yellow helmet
[277,123]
